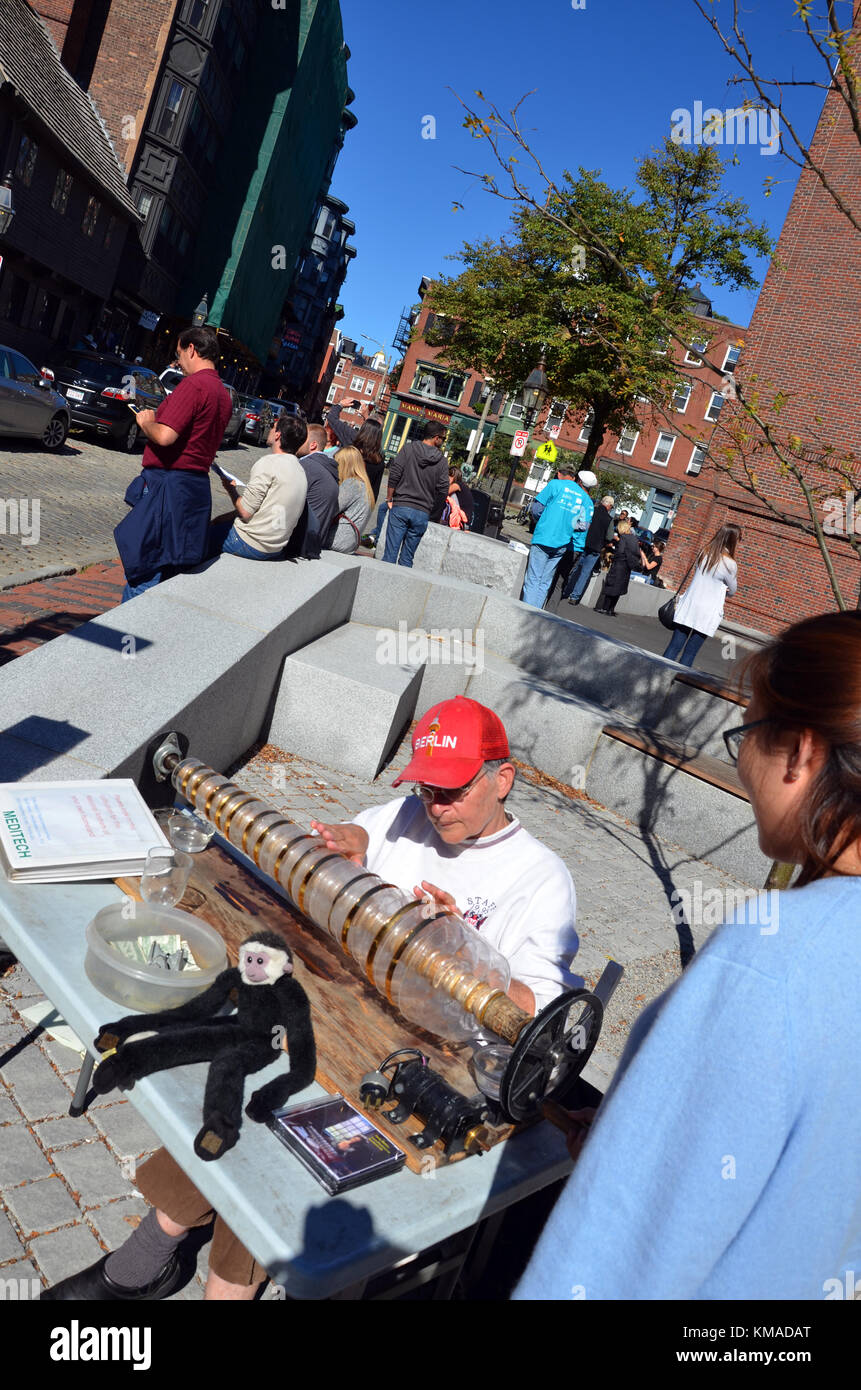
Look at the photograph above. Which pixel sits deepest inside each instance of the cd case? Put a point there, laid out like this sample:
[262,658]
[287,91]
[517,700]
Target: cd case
[337,1143]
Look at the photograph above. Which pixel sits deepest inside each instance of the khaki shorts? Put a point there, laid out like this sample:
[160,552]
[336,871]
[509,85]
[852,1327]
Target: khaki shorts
[165,1186]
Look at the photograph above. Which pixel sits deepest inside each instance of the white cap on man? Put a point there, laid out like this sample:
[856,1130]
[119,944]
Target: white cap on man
[587,479]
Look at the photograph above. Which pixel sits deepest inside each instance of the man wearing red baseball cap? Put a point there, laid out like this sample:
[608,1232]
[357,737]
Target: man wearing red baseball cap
[455,843]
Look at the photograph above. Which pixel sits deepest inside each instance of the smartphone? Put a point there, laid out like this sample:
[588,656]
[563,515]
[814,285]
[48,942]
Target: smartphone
[132,407]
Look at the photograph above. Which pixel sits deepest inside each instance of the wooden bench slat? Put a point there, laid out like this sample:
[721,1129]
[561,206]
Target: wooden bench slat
[701,765]
[711,685]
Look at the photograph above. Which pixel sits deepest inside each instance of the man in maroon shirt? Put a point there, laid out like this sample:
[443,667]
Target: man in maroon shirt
[167,528]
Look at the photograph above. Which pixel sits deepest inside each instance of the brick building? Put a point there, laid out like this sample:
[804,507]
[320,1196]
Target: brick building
[804,340]
[72,210]
[360,377]
[428,390]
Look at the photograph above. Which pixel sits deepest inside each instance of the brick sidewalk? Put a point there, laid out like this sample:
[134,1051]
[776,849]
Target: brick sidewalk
[31,614]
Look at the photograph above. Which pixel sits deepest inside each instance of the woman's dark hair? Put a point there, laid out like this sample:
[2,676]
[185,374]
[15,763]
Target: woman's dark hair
[810,678]
[203,340]
[369,440]
[724,541]
[455,476]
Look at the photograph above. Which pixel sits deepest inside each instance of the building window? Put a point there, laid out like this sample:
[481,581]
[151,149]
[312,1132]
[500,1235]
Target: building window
[681,396]
[357,384]
[62,188]
[515,409]
[663,449]
[341,367]
[733,353]
[110,231]
[91,216]
[144,204]
[438,382]
[715,406]
[369,388]
[627,440]
[27,152]
[659,346]
[586,431]
[695,352]
[197,12]
[171,110]
[331,396]
[698,458]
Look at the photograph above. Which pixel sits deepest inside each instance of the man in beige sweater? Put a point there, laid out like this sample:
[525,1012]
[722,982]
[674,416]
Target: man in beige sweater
[272,500]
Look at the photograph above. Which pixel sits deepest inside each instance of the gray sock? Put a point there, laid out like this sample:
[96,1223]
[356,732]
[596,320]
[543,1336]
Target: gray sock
[144,1255]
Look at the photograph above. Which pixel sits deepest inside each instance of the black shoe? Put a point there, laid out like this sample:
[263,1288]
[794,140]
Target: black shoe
[94,1285]
[574,600]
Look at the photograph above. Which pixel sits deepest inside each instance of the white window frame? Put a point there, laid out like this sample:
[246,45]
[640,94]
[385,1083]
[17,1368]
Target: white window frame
[557,415]
[331,396]
[686,387]
[660,346]
[636,436]
[369,388]
[341,367]
[662,463]
[586,430]
[515,410]
[693,467]
[716,396]
[693,357]
[727,365]
[357,384]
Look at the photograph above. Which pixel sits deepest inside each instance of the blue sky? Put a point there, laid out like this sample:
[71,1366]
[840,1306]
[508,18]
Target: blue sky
[606,80]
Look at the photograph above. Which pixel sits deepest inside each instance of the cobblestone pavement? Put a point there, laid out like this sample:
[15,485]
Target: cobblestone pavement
[67,1186]
[79,491]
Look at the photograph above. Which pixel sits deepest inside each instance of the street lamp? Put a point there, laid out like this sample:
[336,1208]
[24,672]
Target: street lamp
[7,212]
[535,391]
[201,313]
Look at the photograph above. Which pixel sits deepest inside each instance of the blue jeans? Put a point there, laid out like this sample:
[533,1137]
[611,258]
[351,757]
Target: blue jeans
[382,513]
[406,527]
[580,576]
[132,590]
[233,544]
[540,572]
[684,645]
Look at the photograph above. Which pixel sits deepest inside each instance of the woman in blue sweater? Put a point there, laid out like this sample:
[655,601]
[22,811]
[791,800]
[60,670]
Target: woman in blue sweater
[725,1160]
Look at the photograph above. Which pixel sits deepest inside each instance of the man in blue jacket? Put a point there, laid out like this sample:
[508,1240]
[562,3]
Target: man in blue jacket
[566,513]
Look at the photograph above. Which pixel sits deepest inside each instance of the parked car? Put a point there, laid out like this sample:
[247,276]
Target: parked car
[29,404]
[170,379]
[269,412]
[98,387]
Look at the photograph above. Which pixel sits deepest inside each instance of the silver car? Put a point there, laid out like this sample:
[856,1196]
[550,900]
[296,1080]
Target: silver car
[29,405]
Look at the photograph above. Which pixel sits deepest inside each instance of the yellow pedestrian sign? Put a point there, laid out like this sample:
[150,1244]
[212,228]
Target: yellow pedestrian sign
[547,452]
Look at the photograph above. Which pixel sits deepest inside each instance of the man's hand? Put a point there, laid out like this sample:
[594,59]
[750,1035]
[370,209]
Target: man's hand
[144,418]
[349,840]
[575,1124]
[444,901]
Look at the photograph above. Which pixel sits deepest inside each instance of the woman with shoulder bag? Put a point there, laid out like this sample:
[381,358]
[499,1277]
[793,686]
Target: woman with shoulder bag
[627,557]
[355,500]
[699,610]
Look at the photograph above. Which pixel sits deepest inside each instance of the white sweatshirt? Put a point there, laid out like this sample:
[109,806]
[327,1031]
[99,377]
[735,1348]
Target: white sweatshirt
[508,886]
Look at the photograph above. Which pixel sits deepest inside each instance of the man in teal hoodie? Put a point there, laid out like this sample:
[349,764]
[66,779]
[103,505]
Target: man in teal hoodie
[566,513]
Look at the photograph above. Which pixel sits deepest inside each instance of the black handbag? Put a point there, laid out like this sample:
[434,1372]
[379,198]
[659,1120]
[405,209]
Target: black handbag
[667,611]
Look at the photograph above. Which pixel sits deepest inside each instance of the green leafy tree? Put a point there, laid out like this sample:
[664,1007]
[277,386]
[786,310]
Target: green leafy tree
[595,282]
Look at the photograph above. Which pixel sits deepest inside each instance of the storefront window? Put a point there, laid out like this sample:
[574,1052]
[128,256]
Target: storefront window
[437,382]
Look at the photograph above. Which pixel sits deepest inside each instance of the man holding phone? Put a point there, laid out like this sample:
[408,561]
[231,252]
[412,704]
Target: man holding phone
[167,529]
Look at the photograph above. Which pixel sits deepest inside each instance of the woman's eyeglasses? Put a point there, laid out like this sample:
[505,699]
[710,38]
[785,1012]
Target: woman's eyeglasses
[445,796]
[733,737]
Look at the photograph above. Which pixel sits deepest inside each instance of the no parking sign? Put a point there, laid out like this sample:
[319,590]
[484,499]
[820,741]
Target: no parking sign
[519,443]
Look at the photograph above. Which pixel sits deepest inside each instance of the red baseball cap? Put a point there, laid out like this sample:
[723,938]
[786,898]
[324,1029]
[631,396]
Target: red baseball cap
[452,741]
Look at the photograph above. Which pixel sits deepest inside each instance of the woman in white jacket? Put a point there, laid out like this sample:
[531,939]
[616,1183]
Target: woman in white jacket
[700,608]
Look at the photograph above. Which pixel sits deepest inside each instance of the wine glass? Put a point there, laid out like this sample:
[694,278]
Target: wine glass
[165,876]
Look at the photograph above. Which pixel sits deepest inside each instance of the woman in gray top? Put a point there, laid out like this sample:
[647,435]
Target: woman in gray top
[355,500]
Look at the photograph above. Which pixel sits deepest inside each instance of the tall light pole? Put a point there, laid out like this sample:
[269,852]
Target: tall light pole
[536,389]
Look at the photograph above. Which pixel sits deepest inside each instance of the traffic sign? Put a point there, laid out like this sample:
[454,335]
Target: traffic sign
[548,453]
[554,431]
[518,446]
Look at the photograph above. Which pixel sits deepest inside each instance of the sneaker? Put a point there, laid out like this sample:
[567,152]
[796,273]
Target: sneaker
[369,542]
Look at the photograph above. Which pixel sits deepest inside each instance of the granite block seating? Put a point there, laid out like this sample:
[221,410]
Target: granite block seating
[467,555]
[333,658]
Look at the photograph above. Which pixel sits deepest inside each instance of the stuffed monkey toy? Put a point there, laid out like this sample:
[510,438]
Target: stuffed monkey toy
[270,1003]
